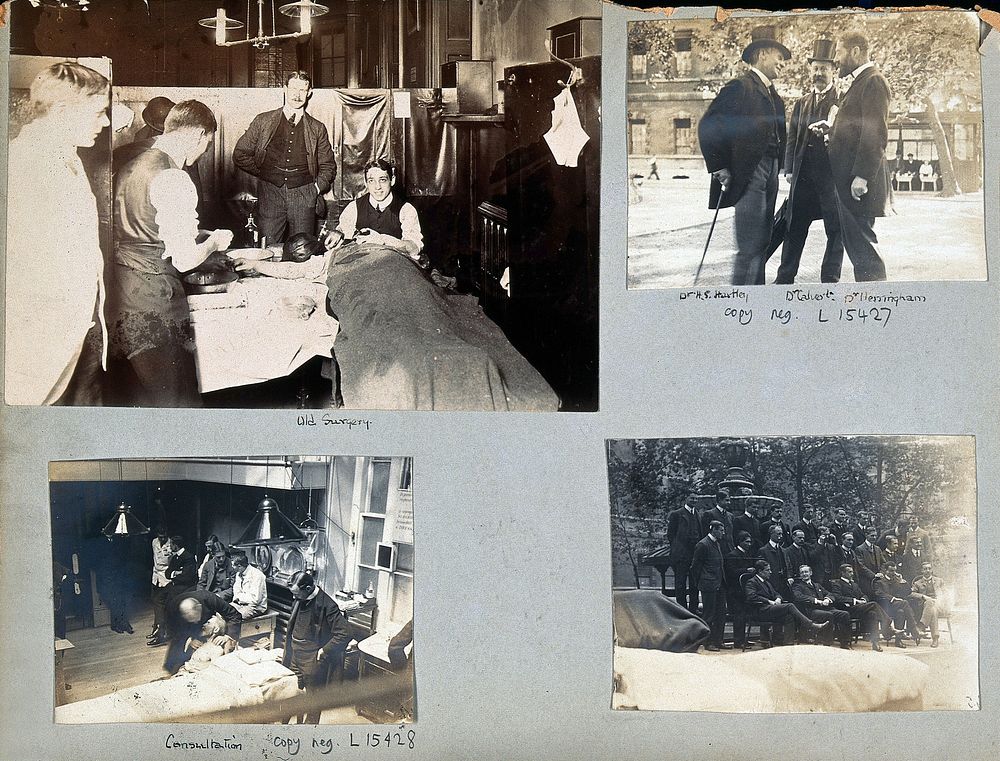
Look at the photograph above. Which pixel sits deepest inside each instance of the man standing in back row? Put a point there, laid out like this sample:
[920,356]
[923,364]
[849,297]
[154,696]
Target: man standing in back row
[289,152]
[742,137]
[857,156]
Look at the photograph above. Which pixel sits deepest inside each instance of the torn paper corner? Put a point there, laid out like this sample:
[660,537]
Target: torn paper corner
[990,17]
[3,15]
[661,10]
[721,14]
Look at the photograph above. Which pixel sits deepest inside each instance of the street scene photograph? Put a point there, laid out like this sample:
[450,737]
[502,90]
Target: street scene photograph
[812,574]
[805,148]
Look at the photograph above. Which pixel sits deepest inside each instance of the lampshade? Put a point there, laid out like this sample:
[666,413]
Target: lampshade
[269,526]
[303,8]
[123,523]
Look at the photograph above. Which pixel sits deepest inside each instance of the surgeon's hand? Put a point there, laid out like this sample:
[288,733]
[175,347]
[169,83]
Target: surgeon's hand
[246,266]
[333,240]
[221,238]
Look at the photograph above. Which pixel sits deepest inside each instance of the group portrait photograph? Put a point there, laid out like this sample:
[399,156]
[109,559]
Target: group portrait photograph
[358,204]
[819,147]
[803,574]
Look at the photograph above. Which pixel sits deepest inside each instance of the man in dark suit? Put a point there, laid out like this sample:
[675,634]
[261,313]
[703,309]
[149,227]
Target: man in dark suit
[708,572]
[913,558]
[897,532]
[776,520]
[742,137]
[848,596]
[857,156]
[774,553]
[817,604]
[841,526]
[892,594]
[767,605]
[748,522]
[289,152]
[720,513]
[738,562]
[186,614]
[683,533]
[825,554]
[798,553]
[182,570]
[870,556]
[808,524]
[807,168]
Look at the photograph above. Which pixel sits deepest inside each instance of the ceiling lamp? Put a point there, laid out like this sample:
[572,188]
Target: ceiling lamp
[123,524]
[303,9]
[269,526]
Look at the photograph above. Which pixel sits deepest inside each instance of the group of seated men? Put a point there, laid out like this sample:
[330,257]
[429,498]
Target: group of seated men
[186,595]
[811,578]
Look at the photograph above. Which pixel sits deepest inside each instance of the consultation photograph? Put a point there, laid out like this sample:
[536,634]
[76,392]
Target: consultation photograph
[805,148]
[809,574]
[358,204]
[240,590]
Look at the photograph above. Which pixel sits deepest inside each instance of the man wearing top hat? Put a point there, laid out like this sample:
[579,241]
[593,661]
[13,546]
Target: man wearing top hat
[742,137]
[807,168]
[857,156]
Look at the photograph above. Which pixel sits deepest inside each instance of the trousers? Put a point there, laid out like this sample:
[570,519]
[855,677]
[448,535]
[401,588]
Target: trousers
[754,216]
[286,211]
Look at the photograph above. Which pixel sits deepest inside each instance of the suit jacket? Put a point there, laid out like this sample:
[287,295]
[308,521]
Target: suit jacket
[327,626]
[217,577]
[922,534]
[734,133]
[738,563]
[779,567]
[884,589]
[857,144]
[911,565]
[839,529]
[758,592]
[845,593]
[798,556]
[808,109]
[718,514]
[683,533]
[871,558]
[751,525]
[786,533]
[251,148]
[804,595]
[708,566]
[809,529]
[187,571]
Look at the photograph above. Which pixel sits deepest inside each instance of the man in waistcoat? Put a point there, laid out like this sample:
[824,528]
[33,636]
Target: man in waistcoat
[289,152]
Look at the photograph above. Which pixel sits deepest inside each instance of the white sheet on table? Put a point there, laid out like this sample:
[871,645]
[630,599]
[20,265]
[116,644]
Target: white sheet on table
[212,689]
[259,342]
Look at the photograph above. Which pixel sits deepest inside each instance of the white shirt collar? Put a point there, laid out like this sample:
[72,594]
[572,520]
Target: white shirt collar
[771,542]
[297,113]
[825,90]
[712,538]
[862,67]
[765,80]
[383,205]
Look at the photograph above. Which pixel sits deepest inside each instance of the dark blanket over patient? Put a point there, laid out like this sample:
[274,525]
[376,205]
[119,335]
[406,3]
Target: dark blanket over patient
[647,619]
[405,343]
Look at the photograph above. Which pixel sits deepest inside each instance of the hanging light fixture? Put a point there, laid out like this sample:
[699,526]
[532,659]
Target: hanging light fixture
[303,9]
[123,523]
[269,526]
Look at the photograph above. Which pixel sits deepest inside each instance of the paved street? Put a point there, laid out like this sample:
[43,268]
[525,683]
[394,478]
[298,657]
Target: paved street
[930,238]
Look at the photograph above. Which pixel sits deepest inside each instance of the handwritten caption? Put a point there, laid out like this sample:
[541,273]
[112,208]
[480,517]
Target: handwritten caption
[857,308]
[309,419]
[284,747]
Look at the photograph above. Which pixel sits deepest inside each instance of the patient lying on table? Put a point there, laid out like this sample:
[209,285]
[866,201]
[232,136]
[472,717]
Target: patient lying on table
[379,217]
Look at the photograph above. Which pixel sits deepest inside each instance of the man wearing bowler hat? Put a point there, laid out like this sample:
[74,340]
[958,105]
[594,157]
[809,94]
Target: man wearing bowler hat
[153,114]
[807,167]
[742,137]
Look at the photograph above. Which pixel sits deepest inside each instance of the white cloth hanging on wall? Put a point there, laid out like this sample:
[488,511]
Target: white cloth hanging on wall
[566,137]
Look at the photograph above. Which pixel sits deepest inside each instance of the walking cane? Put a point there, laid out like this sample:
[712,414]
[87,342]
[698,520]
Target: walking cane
[711,229]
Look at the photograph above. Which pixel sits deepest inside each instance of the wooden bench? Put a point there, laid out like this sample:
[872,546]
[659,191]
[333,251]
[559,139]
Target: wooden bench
[265,623]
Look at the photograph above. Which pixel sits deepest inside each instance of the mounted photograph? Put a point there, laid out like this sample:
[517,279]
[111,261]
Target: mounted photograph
[805,148]
[805,574]
[241,590]
[360,205]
